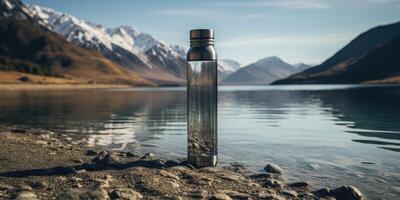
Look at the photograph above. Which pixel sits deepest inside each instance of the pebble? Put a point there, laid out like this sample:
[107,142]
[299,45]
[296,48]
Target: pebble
[78,194]
[272,168]
[290,193]
[199,194]
[25,188]
[125,194]
[272,183]
[6,187]
[238,195]
[91,152]
[303,185]
[348,192]
[168,175]
[26,196]
[220,196]
[148,156]
[264,195]
[106,157]
[41,142]
[130,154]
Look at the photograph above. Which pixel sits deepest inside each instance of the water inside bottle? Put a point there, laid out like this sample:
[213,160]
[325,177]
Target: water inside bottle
[202,113]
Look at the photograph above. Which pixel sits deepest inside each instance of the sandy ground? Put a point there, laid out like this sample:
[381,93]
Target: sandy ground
[38,164]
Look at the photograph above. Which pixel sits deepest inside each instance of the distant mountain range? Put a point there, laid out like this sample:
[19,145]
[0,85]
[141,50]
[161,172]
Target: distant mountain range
[43,41]
[373,56]
[263,72]
[138,53]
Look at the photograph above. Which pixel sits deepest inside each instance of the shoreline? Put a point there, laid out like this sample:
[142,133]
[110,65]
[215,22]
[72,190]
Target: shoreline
[31,87]
[46,165]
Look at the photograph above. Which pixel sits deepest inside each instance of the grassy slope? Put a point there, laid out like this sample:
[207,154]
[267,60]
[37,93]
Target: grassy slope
[32,49]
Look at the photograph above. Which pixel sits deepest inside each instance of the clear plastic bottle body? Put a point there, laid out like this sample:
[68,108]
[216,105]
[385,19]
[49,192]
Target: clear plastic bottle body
[202,113]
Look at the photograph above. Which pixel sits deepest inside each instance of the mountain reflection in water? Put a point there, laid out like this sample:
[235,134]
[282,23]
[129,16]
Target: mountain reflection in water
[325,134]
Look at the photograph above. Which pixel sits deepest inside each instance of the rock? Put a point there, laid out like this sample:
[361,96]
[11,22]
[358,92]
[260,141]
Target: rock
[41,142]
[25,188]
[26,196]
[269,196]
[301,185]
[290,193]
[91,152]
[78,194]
[5,187]
[130,154]
[348,192]
[238,195]
[106,157]
[272,168]
[125,194]
[148,156]
[272,183]
[199,194]
[77,161]
[322,192]
[220,196]
[18,130]
[168,175]
[39,185]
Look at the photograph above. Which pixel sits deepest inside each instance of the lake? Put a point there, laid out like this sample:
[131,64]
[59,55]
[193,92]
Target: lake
[325,134]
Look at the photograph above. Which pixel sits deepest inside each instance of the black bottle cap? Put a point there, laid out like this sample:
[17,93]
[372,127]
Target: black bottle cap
[201,37]
[198,34]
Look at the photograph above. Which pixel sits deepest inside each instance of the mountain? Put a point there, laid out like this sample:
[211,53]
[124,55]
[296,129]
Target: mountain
[301,67]
[349,65]
[28,47]
[262,72]
[227,67]
[141,52]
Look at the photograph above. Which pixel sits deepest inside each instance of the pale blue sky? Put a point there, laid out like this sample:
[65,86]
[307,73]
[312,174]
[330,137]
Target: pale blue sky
[296,30]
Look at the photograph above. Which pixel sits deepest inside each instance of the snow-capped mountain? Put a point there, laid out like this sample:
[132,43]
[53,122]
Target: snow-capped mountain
[141,52]
[227,67]
[134,50]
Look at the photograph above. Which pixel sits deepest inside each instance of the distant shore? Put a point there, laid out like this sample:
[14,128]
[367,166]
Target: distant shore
[40,164]
[28,86]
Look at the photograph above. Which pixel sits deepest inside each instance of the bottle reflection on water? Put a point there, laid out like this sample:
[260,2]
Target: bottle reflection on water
[202,113]
[202,99]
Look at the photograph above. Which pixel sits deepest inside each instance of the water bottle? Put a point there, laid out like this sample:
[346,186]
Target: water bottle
[202,99]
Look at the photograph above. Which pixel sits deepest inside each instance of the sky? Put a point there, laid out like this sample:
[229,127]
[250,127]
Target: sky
[308,31]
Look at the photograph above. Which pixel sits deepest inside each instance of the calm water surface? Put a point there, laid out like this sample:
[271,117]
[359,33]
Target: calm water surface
[328,135]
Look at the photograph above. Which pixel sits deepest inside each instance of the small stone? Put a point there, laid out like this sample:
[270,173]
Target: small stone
[39,185]
[302,185]
[77,161]
[41,142]
[25,188]
[106,157]
[98,193]
[220,196]
[125,194]
[130,154]
[44,136]
[238,195]
[199,194]
[272,168]
[26,196]
[348,192]
[272,183]
[322,192]
[269,196]
[18,130]
[168,175]
[148,156]
[91,152]
[80,171]
[5,187]
[290,193]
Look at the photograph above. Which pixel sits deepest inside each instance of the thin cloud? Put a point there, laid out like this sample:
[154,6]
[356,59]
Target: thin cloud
[254,40]
[187,12]
[211,14]
[290,4]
